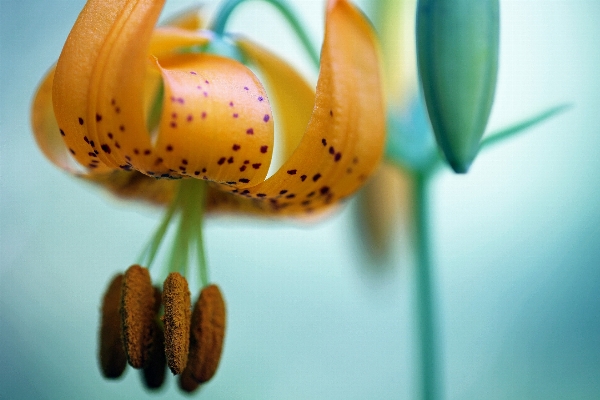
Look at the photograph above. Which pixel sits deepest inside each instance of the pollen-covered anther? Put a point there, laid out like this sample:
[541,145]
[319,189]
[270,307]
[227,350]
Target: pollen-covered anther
[207,334]
[177,302]
[137,315]
[186,381]
[111,352]
[155,371]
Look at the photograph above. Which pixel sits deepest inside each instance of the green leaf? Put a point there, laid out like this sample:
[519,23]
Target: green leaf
[508,132]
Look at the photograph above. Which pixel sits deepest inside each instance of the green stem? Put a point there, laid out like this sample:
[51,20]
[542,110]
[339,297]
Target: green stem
[150,250]
[430,385]
[218,25]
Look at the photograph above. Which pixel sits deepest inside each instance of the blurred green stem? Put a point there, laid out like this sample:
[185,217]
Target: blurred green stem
[222,17]
[429,379]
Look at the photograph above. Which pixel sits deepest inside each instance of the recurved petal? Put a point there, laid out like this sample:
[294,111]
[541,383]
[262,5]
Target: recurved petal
[216,121]
[48,135]
[345,135]
[167,39]
[294,97]
[98,90]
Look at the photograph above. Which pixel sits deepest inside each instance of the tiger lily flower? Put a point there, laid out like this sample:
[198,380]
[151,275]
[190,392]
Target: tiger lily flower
[147,114]
[216,122]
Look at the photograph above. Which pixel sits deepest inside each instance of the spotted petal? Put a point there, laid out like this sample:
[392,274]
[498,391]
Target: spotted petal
[101,101]
[344,139]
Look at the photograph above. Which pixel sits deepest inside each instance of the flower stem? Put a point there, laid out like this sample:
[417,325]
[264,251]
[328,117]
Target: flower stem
[218,25]
[430,385]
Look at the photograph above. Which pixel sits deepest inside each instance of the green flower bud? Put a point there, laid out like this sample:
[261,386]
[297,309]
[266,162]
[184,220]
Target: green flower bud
[457,55]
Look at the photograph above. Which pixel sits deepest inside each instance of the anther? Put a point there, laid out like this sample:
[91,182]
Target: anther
[154,373]
[176,298]
[112,354]
[207,334]
[137,315]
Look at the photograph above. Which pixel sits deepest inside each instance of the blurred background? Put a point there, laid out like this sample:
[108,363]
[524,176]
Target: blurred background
[516,244]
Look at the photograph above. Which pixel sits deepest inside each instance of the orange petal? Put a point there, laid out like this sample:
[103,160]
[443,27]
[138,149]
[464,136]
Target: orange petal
[294,97]
[344,139]
[167,39]
[98,90]
[46,131]
[216,122]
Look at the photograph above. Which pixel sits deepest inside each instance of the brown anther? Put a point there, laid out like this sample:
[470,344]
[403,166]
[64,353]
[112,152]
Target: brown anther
[137,315]
[186,381]
[176,299]
[154,373]
[207,334]
[111,352]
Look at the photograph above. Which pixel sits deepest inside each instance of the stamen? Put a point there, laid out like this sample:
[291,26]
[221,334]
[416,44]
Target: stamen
[112,354]
[207,334]
[137,315]
[176,298]
[186,381]
[154,374]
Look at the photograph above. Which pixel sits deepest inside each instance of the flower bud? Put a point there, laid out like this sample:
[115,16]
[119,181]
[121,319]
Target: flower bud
[457,54]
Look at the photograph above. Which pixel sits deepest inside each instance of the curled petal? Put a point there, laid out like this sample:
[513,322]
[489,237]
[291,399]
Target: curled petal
[216,122]
[295,98]
[105,83]
[345,135]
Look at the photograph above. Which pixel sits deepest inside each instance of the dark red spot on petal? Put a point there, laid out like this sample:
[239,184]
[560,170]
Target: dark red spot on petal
[316,177]
[221,161]
[106,148]
[303,178]
[169,147]
[98,117]
[256,166]
[266,118]
[230,160]
[337,157]
[236,147]
[242,168]
[263,149]
[244,180]
[250,131]
[80,121]
[292,172]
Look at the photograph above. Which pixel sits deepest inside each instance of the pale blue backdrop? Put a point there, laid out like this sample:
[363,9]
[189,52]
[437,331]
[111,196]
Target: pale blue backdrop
[516,241]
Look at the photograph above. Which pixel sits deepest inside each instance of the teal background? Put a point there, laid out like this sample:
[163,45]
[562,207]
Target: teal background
[516,245]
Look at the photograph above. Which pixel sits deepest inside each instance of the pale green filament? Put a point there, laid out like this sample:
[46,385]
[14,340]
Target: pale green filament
[187,209]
